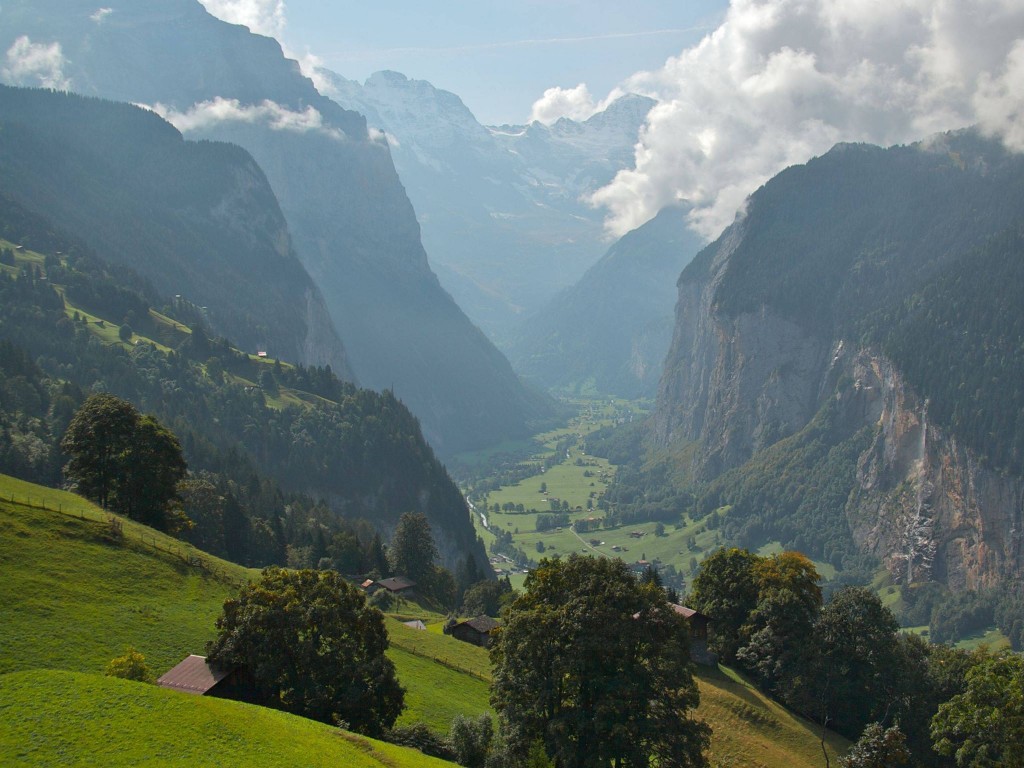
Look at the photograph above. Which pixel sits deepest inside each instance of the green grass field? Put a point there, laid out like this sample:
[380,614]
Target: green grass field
[56,718]
[73,599]
[752,731]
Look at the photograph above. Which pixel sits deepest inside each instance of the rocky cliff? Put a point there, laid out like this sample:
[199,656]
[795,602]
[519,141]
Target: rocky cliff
[818,298]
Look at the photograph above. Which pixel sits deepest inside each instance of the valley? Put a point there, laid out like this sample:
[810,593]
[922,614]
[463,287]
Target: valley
[673,419]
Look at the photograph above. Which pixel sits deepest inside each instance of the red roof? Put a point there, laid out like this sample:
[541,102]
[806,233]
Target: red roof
[193,675]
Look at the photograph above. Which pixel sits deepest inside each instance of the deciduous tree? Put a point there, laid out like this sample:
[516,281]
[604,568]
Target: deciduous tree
[313,648]
[596,666]
[983,727]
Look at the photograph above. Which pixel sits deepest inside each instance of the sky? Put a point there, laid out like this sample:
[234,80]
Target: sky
[499,57]
[745,88]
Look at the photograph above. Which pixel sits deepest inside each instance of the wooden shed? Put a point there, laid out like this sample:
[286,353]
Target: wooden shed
[476,630]
[197,676]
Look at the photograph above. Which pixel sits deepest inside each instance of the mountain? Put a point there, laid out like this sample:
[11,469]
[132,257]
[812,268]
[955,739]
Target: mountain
[351,222]
[610,332]
[844,372]
[502,209]
[198,220]
[285,459]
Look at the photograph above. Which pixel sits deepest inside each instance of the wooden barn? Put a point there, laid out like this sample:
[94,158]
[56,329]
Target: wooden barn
[197,676]
[476,630]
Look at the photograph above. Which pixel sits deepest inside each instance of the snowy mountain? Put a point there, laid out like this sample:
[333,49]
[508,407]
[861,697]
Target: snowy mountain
[502,209]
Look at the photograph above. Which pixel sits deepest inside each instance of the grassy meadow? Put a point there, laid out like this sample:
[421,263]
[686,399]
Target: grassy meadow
[74,594]
[57,718]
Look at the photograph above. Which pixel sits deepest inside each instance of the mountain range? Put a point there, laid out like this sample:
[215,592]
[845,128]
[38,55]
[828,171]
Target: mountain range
[351,223]
[503,209]
[609,333]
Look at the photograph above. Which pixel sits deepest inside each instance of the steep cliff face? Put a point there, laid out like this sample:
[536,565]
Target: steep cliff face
[789,311]
[923,503]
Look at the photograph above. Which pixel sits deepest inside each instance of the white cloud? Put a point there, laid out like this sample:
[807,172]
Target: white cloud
[265,17]
[573,103]
[783,80]
[207,114]
[100,14]
[35,64]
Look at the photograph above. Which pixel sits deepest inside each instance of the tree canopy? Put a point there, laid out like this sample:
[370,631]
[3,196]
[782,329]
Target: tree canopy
[595,665]
[983,727]
[313,648]
[124,461]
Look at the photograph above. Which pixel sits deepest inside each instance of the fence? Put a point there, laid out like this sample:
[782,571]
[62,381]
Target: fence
[115,531]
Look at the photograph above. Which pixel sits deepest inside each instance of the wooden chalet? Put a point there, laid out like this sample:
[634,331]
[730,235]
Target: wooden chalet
[197,676]
[476,630]
[398,585]
[698,624]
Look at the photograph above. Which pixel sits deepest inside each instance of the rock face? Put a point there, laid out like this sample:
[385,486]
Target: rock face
[759,347]
[923,503]
[351,222]
[502,209]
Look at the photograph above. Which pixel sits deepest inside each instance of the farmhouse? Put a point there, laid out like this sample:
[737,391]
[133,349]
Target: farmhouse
[398,585]
[698,624]
[195,675]
[476,631]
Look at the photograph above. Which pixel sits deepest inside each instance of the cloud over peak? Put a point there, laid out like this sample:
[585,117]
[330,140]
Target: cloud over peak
[39,65]
[207,114]
[783,80]
[264,17]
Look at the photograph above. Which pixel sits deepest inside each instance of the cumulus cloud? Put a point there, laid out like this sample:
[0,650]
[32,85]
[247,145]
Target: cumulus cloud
[265,17]
[35,64]
[100,14]
[783,80]
[207,114]
[573,103]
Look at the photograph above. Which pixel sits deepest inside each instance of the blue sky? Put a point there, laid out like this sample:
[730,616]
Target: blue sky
[499,57]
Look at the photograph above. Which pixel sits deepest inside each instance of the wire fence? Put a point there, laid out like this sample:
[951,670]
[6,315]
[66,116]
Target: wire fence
[114,531]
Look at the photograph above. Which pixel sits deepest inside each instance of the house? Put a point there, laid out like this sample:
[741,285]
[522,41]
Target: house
[398,585]
[476,630]
[197,676]
[369,586]
[698,624]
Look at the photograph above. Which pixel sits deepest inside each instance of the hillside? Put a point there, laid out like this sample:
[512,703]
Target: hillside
[846,352]
[271,441]
[67,718]
[351,223]
[609,333]
[196,219]
[66,578]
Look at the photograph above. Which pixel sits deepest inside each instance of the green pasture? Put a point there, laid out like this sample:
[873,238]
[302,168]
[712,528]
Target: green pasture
[74,597]
[58,718]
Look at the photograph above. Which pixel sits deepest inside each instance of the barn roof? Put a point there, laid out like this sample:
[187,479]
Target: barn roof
[687,613]
[482,624]
[682,610]
[193,675]
[396,583]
